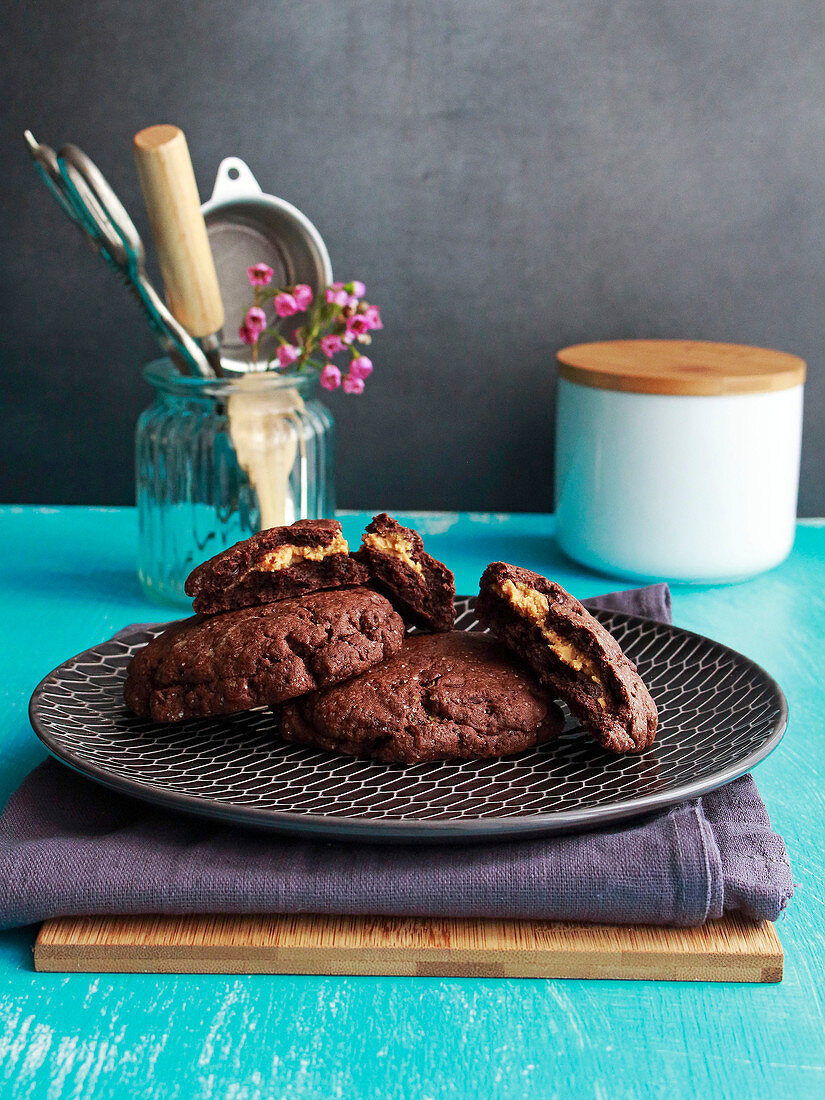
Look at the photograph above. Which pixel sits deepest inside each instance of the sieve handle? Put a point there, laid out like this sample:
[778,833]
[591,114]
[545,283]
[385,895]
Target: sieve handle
[170,192]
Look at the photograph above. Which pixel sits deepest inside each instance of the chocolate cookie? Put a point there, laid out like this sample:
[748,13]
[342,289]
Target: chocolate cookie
[571,653]
[420,587]
[256,655]
[277,564]
[455,696]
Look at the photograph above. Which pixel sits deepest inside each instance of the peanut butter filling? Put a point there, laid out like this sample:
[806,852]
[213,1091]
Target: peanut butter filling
[395,545]
[285,556]
[535,606]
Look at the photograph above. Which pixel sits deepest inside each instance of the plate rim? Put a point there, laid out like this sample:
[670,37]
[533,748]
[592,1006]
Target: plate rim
[383,830]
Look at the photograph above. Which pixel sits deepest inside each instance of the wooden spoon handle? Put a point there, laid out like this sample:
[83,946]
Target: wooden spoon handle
[179,231]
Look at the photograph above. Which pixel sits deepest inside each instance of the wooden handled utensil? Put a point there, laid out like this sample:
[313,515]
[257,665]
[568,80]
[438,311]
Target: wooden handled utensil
[170,192]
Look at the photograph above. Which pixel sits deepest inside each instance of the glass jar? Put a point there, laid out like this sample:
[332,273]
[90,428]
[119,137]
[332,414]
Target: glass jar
[218,459]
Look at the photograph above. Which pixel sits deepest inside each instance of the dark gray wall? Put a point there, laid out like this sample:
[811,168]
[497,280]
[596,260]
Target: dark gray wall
[507,178]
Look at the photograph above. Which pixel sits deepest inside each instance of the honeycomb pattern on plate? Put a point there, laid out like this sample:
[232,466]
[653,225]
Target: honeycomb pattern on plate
[719,714]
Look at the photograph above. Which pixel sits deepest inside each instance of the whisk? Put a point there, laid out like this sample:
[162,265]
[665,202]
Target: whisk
[84,195]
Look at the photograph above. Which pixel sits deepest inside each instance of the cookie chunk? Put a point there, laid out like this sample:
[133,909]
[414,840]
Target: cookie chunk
[420,587]
[571,653]
[257,655]
[277,564]
[454,696]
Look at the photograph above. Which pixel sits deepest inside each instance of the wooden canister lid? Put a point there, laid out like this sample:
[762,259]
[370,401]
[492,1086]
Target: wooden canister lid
[680,367]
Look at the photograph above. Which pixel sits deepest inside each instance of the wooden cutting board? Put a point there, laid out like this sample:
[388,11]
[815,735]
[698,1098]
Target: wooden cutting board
[730,950]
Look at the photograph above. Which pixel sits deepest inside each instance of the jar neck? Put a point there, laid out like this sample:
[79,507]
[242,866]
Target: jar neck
[172,387]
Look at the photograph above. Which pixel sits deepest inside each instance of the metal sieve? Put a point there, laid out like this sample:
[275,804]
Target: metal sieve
[247,226]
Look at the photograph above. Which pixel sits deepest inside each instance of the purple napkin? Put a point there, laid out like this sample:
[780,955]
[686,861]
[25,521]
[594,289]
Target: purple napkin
[69,846]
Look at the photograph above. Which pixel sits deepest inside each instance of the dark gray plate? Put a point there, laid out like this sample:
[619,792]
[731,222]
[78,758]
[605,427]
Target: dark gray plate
[719,715]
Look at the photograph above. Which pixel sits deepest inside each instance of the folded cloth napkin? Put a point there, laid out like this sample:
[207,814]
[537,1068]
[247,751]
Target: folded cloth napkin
[69,846]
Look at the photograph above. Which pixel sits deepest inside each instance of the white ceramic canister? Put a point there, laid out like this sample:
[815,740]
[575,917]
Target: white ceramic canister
[677,459]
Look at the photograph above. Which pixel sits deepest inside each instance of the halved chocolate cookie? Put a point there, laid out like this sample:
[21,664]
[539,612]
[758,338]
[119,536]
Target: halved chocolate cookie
[261,655]
[421,588]
[571,653]
[277,564]
[455,696]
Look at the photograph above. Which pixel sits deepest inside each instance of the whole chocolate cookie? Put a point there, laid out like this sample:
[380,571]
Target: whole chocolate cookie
[449,696]
[257,655]
[571,653]
[277,564]
[420,587]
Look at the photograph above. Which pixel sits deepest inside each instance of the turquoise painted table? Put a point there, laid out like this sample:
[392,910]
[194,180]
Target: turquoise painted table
[67,580]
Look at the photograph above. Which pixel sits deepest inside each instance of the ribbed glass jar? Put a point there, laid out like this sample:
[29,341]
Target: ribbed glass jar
[218,459]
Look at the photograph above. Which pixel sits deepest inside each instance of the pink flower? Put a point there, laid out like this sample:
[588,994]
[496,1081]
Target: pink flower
[360,367]
[285,304]
[330,377]
[331,345]
[348,337]
[255,320]
[302,295]
[287,353]
[353,385]
[336,297]
[357,324]
[259,274]
[352,302]
[358,288]
[247,335]
[372,317]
